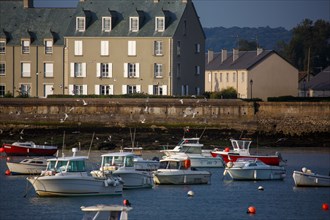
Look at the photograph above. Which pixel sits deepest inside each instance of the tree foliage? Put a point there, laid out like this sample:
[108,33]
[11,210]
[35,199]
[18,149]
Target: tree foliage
[228,93]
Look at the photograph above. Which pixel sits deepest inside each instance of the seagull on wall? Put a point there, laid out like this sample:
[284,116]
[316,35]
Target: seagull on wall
[181,100]
[22,131]
[146,109]
[71,109]
[143,121]
[84,102]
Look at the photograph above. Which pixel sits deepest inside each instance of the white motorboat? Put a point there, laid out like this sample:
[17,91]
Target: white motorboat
[247,169]
[67,176]
[307,178]
[101,212]
[27,166]
[122,164]
[177,170]
[192,148]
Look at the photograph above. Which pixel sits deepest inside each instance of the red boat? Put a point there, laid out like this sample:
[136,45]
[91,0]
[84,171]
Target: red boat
[241,150]
[28,149]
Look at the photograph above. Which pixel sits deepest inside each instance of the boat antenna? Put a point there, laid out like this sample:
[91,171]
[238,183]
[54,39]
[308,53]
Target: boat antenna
[90,146]
[202,133]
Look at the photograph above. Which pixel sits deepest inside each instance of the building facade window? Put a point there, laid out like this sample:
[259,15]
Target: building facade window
[106,24]
[131,70]
[48,70]
[104,48]
[158,48]
[78,48]
[104,70]
[2,69]
[78,70]
[234,77]
[158,70]
[131,89]
[106,90]
[2,90]
[25,89]
[78,89]
[178,70]
[160,24]
[131,48]
[227,77]
[220,77]
[2,47]
[243,77]
[26,69]
[48,46]
[80,24]
[197,70]
[197,48]
[134,24]
[25,46]
[178,48]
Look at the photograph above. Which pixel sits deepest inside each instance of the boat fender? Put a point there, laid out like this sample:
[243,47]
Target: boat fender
[251,210]
[7,172]
[227,149]
[325,206]
[187,164]
[304,169]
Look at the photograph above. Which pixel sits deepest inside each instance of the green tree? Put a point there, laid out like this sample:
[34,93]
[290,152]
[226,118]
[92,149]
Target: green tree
[228,93]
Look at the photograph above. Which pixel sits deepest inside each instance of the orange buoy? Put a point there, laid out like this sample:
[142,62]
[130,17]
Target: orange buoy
[187,164]
[2,149]
[126,202]
[325,206]
[7,172]
[227,149]
[251,210]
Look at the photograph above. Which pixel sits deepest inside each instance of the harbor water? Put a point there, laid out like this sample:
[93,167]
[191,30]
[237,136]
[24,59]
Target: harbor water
[221,199]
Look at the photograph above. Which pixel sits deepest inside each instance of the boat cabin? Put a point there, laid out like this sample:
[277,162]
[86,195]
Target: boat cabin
[188,146]
[241,146]
[66,164]
[175,164]
[114,160]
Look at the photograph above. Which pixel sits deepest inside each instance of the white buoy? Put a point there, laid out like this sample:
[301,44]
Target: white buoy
[260,188]
[190,193]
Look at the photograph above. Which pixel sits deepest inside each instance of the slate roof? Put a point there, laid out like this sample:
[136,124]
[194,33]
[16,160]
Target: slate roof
[17,22]
[146,9]
[321,81]
[246,60]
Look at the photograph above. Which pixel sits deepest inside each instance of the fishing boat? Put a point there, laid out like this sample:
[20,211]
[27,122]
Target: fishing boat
[247,169]
[27,166]
[121,164]
[28,148]
[67,176]
[192,148]
[177,170]
[241,149]
[307,178]
[101,212]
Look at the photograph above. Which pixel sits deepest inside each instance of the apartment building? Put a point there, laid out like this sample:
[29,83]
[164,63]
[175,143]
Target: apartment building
[100,47]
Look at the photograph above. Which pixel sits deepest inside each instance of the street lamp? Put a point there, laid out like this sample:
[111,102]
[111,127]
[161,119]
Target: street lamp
[251,83]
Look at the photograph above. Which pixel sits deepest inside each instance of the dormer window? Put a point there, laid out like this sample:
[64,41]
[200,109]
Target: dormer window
[80,24]
[160,24]
[2,46]
[48,46]
[25,46]
[134,24]
[106,24]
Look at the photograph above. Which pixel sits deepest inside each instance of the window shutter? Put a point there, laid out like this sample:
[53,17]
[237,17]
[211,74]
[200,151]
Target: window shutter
[98,69]
[97,89]
[124,89]
[110,70]
[84,89]
[71,69]
[125,70]
[78,47]
[164,89]
[111,90]
[83,69]
[131,48]
[151,89]
[137,66]
[138,88]
[104,48]
[71,89]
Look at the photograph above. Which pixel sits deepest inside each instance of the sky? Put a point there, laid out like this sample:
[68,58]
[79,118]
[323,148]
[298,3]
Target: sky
[247,13]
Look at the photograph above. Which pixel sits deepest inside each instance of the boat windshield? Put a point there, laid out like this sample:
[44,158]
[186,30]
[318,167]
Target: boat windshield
[169,165]
[118,161]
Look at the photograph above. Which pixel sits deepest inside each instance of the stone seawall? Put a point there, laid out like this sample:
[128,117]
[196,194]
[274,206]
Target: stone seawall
[287,118]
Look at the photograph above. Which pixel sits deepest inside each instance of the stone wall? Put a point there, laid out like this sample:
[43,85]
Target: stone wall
[292,118]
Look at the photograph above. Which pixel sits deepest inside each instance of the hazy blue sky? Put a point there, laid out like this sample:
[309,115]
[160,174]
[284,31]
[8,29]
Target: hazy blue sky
[248,13]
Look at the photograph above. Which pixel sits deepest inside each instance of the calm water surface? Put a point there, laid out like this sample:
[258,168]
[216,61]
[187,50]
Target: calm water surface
[222,199]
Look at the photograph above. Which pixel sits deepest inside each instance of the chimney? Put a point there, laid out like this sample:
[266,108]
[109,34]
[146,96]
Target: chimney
[210,55]
[259,50]
[223,55]
[235,54]
[28,3]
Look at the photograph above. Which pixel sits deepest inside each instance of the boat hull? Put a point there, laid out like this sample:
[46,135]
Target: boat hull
[310,179]
[73,186]
[181,178]
[273,160]
[256,174]
[23,169]
[135,179]
[13,150]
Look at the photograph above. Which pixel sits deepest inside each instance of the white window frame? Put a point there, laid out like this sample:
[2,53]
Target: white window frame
[25,46]
[80,24]
[26,89]
[104,89]
[160,24]
[25,69]
[78,48]
[158,48]
[2,68]
[2,47]
[158,70]
[104,70]
[134,24]
[48,46]
[48,69]
[77,70]
[106,24]
[131,48]
[2,90]
[104,48]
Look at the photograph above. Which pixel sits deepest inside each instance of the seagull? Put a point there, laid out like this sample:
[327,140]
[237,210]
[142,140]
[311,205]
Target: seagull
[18,113]
[194,113]
[21,137]
[85,103]
[184,115]
[61,120]
[143,121]
[71,109]
[146,109]
[97,138]
[22,131]
[181,100]
[109,137]
[65,116]
[1,131]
